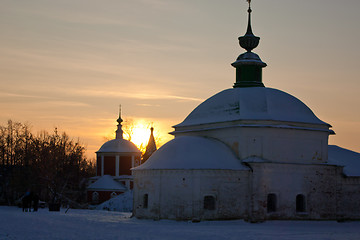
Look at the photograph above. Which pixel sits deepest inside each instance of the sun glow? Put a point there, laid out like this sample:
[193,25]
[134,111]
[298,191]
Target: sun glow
[138,132]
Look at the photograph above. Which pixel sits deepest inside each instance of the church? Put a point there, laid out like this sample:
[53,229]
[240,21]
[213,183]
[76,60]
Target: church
[114,161]
[249,152]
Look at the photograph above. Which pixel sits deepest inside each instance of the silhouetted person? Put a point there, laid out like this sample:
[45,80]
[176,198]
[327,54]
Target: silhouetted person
[26,201]
[35,201]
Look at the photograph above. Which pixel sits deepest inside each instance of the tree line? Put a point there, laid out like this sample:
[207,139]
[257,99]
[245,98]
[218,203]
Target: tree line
[52,165]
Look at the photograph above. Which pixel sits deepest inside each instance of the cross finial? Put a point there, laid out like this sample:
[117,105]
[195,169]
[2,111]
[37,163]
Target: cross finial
[249,41]
[119,131]
[119,110]
[249,10]
[119,120]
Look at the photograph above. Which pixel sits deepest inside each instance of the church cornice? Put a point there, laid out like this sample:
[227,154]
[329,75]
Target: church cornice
[254,124]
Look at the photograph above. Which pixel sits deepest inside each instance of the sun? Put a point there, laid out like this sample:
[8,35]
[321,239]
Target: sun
[138,132]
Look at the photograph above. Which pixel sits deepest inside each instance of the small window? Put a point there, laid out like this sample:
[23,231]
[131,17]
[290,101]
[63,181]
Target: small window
[113,194]
[271,203]
[146,200]
[300,203]
[209,202]
[95,197]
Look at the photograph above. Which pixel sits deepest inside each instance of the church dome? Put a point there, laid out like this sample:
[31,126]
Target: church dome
[189,152]
[118,146]
[251,103]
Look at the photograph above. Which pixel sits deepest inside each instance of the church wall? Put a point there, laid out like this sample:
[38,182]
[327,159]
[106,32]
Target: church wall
[180,194]
[102,196]
[295,146]
[274,144]
[349,198]
[146,183]
[318,184]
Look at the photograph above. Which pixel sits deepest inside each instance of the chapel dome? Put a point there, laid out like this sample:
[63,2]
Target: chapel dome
[251,103]
[189,152]
[118,146]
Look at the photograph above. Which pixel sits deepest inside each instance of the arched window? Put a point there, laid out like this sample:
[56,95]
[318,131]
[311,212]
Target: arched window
[95,197]
[271,202]
[146,200]
[209,202]
[300,203]
[113,194]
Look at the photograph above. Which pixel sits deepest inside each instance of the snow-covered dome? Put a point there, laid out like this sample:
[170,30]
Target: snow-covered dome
[118,146]
[189,152]
[251,103]
[106,183]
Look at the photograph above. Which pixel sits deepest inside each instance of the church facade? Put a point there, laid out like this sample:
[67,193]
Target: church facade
[249,152]
[114,160]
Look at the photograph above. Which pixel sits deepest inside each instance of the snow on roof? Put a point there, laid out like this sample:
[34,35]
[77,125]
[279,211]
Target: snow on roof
[344,157]
[119,146]
[188,152]
[255,103]
[254,159]
[107,183]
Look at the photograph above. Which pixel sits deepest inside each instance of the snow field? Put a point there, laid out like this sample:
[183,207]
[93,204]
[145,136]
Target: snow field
[95,224]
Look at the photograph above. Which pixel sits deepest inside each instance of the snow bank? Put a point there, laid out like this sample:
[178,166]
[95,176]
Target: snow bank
[120,203]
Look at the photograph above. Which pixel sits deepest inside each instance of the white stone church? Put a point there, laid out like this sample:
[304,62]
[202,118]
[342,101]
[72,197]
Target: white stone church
[249,152]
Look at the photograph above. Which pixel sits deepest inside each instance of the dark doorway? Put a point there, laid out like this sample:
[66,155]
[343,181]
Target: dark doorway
[146,200]
[209,203]
[271,202]
[300,203]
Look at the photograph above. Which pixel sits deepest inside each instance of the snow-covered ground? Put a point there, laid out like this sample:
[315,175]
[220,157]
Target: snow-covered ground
[120,203]
[96,224]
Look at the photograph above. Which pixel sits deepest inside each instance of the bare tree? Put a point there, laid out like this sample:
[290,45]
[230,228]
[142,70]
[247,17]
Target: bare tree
[52,164]
[128,128]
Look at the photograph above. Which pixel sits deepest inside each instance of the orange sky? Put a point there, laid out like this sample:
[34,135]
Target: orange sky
[69,64]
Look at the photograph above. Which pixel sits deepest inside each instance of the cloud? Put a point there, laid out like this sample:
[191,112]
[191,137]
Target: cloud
[147,105]
[19,95]
[68,104]
[40,100]
[131,95]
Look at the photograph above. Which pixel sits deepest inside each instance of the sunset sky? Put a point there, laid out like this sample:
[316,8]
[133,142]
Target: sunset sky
[70,63]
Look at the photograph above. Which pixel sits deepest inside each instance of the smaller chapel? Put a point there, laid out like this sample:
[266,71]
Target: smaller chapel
[114,160]
[249,152]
